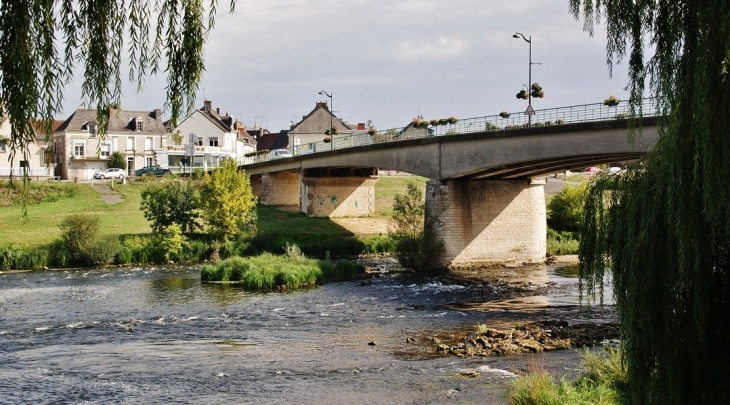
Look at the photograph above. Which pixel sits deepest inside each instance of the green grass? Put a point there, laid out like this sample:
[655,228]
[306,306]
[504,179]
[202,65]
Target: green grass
[562,243]
[388,187]
[268,271]
[603,383]
[41,225]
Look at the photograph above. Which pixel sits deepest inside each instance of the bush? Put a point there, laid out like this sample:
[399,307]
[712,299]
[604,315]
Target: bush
[414,248]
[80,237]
[227,202]
[117,160]
[562,243]
[565,209]
[22,258]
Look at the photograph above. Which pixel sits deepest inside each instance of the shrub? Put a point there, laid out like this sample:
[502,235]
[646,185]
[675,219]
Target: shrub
[414,248]
[566,208]
[228,201]
[117,160]
[562,243]
[80,237]
[22,258]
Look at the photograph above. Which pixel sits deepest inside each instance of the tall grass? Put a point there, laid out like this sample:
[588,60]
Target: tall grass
[22,257]
[603,383]
[268,271]
[561,243]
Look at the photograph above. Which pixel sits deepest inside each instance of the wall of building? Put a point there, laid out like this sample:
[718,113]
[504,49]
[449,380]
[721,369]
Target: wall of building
[487,221]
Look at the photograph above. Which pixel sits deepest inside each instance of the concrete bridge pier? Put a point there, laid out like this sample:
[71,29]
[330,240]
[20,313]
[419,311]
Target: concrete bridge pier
[350,196]
[279,188]
[485,222]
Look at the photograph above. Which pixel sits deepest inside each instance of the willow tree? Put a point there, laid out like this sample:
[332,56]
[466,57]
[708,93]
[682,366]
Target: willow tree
[664,231]
[44,42]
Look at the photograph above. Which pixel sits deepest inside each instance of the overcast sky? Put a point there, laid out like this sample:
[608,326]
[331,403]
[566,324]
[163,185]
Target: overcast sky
[388,60]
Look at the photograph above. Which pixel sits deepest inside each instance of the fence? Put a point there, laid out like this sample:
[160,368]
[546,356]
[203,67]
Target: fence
[550,116]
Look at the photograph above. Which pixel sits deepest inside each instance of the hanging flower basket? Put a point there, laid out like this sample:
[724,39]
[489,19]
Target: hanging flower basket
[327,139]
[452,120]
[504,114]
[537,91]
[434,122]
[611,101]
[422,124]
[523,95]
[371,131]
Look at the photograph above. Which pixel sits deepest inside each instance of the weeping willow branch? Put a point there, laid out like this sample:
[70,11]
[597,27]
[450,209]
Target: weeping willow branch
[664,229]
[43,42]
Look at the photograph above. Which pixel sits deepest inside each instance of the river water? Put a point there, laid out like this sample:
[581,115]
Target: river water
[154,335]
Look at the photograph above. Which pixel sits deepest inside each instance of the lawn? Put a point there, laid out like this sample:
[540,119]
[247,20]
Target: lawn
[41,224]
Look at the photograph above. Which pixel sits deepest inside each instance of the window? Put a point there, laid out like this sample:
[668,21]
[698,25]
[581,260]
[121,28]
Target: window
[148,143]
[149,161]
[92,130]
[130,143]
[213,141]
[199,142]
[106,150]
[79,149]
[3,147]
[140,124]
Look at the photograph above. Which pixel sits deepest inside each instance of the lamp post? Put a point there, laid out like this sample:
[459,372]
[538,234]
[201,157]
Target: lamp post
[332,108]
[529,77]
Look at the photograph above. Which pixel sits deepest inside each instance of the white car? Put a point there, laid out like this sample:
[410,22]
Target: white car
[280,153]
[112,173]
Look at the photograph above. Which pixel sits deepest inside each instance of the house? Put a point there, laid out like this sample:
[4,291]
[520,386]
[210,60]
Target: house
[215,138]
[39,160]
[313,126]
[138,135]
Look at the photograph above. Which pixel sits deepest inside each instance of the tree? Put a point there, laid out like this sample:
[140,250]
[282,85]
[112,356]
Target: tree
[118,160]
[171,203]
[41,42]
[227,200]
[664,230]
[565,209]
[414,248]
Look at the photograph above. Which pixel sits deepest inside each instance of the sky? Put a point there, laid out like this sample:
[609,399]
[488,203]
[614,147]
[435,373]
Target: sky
[390,60]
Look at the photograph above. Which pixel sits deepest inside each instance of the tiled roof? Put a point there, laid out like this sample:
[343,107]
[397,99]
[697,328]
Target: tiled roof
[119,121]
[273,141]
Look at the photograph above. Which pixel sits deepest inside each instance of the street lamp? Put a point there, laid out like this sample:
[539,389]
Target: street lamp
[529,77]
[332,135]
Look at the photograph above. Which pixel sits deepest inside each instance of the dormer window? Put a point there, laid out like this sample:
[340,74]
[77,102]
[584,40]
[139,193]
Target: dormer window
[91,127]
[139,124]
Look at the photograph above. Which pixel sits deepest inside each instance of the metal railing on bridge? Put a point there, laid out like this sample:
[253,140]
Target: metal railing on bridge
[444,127]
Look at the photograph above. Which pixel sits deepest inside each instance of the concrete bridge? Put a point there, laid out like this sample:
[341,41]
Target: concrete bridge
[483,200]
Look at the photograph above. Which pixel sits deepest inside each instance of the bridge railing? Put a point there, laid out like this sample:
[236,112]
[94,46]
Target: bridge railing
[549,116]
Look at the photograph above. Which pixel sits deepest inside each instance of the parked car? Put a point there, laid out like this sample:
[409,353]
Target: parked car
[591,170]
[156,170]
[111,173]
[613,169]
[280,153]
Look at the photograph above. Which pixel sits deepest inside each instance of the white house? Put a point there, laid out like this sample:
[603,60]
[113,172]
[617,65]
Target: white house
[38,161]
[212,138]
[80,152]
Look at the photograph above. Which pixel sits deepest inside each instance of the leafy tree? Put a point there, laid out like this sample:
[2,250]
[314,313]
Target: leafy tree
[117,160]
[665,230]
[42,41]
[565,209]
[415,248]
[227,200]
[171,203]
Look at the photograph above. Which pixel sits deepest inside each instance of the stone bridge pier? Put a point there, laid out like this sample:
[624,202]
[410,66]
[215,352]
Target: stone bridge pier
[483,222]
[341,192]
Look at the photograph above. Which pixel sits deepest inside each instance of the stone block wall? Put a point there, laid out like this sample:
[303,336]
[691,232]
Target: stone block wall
[280,188]
[338,196]
[487,221]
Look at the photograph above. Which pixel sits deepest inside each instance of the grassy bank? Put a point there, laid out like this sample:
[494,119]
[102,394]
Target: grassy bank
[603,383]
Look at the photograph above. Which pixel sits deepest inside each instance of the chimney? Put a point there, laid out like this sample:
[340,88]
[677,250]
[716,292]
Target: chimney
[158,114]
[207,105]
[360,126]
[218,110]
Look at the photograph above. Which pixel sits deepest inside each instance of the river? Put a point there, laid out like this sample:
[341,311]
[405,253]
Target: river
[156,335]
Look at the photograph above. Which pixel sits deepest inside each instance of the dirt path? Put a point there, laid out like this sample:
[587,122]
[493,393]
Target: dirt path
[107,195]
